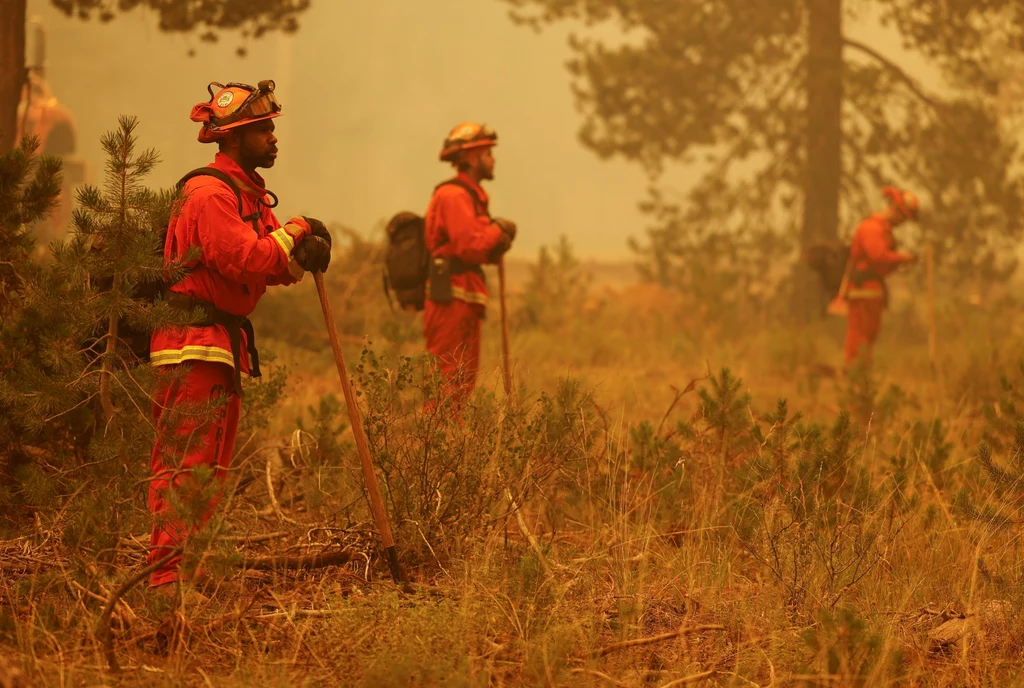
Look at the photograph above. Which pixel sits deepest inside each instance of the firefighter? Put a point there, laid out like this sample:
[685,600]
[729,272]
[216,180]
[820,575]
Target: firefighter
[873,256]
[226,227]
[461,236]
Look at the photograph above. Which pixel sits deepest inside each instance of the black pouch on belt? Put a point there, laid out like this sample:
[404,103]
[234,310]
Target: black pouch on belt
[440,279]
[234,324]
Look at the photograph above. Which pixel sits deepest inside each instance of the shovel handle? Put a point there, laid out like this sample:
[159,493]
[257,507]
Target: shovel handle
[380,515]
[505,352]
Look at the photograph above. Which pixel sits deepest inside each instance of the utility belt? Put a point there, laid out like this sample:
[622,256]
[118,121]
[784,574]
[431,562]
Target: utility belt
[858,278]
[439,276]
[234,324]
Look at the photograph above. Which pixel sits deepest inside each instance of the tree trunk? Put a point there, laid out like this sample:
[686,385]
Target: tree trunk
[12,67]
[824,131]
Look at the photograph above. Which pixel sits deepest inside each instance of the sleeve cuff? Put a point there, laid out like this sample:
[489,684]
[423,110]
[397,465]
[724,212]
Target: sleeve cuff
[288,236]
[295,270]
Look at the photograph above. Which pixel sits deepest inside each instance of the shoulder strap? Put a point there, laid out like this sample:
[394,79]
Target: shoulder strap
[481,209]
[253,219]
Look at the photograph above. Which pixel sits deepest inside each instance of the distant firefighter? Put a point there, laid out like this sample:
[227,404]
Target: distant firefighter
[460,237]
[873,256]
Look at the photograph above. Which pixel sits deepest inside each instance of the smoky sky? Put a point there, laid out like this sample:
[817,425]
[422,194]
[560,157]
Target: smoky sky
[369,90]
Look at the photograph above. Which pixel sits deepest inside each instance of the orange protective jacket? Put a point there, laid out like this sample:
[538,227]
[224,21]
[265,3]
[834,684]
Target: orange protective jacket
[873,256]
[456,227]
[235,264]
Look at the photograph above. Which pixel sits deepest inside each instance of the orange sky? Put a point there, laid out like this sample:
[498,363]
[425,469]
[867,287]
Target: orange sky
[369,91]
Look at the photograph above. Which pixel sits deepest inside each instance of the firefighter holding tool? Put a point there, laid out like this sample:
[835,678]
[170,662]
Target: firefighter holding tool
[226,221]
[461,236]
[873,257]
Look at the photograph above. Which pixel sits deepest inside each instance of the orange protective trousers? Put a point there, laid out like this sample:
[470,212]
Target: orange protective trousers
[452,331]
[863,324]
[196,416]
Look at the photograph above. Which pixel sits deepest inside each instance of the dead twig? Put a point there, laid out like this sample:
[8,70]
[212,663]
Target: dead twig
[252,539]
[525,530]
[273,498]
[639,642]
[105,637]
[689,679]
[297,613]
[602,676]
[316,561]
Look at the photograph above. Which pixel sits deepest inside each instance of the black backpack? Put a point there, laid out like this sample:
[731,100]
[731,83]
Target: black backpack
[137,341]
[406,258]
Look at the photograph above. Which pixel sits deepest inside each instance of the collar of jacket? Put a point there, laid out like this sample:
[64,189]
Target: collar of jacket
[882,222]
[481,194]
[254,187]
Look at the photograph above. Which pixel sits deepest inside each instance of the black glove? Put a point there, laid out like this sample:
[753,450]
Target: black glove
[508,233]
[318,229]
[313,253]
[507,226]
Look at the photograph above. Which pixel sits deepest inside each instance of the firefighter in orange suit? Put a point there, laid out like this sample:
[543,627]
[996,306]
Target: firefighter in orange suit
[461,236]
[873,256]
[225,220]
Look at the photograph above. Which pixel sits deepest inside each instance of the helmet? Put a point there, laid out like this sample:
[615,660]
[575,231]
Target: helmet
[467,136]
[906,201]
[234,105]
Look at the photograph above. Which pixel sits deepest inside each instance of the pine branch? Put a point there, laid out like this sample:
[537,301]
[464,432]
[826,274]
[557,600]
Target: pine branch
[894,69]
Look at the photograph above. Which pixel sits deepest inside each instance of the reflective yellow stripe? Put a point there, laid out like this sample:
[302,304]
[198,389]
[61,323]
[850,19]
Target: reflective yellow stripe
[284,239]
[212,354]
[865,294]
[469,296]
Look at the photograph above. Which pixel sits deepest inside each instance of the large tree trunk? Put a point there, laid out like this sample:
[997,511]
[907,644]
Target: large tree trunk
[824,131]
[12,67]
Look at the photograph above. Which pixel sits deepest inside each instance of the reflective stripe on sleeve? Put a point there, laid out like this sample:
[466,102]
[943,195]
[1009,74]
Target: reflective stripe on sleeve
[285,237]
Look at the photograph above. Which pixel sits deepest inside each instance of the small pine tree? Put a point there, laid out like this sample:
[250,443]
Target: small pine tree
[61,387]
[1002,506]
[29,187]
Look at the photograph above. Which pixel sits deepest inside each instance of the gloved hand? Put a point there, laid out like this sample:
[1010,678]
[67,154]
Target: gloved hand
[506,226]
[318,229]
[508,233]
[908,258]
[313,253]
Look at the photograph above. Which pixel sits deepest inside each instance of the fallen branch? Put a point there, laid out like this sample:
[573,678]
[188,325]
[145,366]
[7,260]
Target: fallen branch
[602,676]
[273,498]
[251,539]
[128,616]
[296,613]
[689,679]
[316,561]
[525,530]
[639,642]
[105,637]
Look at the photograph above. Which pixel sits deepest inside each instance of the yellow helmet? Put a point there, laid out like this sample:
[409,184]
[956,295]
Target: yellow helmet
[467,136]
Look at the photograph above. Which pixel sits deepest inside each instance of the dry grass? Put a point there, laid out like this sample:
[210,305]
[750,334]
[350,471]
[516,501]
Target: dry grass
[686,551]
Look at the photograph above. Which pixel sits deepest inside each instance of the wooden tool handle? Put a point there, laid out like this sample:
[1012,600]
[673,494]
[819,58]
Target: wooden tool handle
[505,353]
[380,515]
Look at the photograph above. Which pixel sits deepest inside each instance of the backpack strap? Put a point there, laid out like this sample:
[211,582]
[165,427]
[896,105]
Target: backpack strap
[457,266]
[478,204]
[252,218]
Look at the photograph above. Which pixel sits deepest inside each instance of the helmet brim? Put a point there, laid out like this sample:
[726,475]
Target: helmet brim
[451,154]
[242,123]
